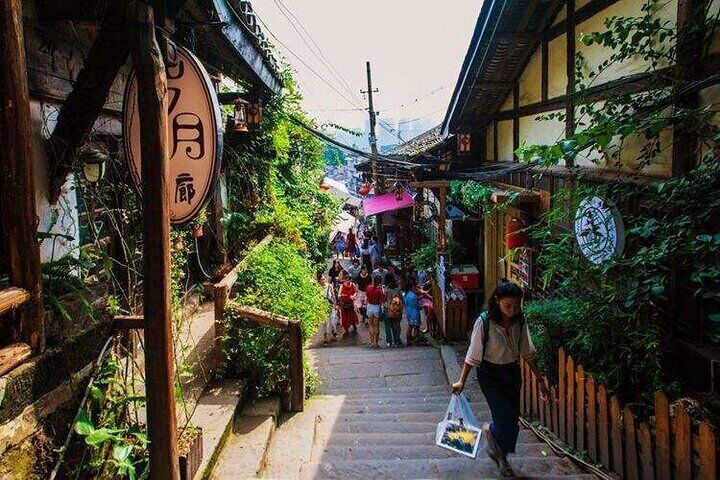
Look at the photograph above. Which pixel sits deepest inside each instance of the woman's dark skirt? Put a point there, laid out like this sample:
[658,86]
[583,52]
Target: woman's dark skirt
[501,386]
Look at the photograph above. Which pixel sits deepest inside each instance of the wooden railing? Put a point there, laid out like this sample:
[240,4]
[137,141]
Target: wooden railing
[13,298]
[581,413]
[222,291]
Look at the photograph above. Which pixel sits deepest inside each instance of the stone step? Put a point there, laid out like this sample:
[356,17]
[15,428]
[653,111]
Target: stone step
[429,390]
[480,410]
[482,467]
[245,452]
[395,439]
[408,452]
[214,413]
[243,455]
[407,416]
[440,403]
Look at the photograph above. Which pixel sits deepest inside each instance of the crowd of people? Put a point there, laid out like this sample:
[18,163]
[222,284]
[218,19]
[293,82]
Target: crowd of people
[371,291]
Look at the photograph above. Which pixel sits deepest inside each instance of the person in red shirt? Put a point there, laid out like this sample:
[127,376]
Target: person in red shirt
[375,298]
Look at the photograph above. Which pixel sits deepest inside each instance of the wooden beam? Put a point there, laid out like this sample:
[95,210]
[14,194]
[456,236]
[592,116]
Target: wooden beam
[159,364]
[516,120]
[92,87]
[545,57]
[229,280]
[589,10]
[570,70]
[687,67]
[442,242]
[17,183]
[13,298]
[13,355]
[128,322]
[430,184]
[496,148]
[528,15]
[261,316]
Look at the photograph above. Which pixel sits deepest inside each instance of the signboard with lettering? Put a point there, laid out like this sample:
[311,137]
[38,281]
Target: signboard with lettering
[521,271]
[194,133]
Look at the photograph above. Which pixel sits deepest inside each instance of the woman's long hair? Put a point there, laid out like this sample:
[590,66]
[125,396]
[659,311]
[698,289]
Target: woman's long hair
[390,281]
[504,289]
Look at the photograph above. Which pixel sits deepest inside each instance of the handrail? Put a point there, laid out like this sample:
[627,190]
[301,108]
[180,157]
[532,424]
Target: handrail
[261,316]
[296,396]
[221,293]
[12,298]
[231,277]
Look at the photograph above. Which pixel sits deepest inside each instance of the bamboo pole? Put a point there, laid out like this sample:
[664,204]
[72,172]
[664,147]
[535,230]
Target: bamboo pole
[159,366]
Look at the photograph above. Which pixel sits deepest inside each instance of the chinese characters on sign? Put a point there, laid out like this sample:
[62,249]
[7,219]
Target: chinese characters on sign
[599,230]
[194,133]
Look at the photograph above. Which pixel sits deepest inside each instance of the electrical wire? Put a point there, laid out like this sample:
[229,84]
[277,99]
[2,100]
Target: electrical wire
[320,55]
[86,395]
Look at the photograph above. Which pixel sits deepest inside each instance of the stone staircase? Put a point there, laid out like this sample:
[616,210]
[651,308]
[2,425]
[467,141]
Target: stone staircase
[376,418]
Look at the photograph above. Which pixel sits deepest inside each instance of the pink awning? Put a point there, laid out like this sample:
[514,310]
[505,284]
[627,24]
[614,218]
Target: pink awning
[386,203]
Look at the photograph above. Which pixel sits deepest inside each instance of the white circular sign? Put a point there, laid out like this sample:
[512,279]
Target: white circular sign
[194,133]
[599,230]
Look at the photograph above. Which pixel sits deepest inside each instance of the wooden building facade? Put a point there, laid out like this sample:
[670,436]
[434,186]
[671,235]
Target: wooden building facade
[62,80]
[520,68]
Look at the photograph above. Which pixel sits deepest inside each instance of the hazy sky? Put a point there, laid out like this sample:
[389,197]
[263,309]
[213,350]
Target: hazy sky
[415,47]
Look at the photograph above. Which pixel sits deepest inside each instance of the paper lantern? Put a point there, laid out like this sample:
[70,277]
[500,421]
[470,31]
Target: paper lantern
[515,236]
[364,190]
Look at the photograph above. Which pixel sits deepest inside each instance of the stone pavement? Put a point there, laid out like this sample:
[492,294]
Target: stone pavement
[376,418]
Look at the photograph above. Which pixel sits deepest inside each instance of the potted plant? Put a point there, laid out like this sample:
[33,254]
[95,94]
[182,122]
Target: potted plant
[200,220]
[190,451]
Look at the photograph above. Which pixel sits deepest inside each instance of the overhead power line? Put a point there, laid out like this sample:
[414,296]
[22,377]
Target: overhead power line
[301,60]
[315,48]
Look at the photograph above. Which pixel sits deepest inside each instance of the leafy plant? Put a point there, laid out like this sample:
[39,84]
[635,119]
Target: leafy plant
[280,280]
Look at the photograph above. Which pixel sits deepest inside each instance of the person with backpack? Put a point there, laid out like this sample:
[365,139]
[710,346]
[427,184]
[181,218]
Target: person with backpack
[394,313]
[499,338]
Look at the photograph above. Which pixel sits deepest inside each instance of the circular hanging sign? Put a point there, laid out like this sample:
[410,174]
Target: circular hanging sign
[599,230]
[194,133]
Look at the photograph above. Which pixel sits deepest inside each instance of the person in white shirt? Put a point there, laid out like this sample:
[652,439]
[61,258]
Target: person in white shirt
[499,338]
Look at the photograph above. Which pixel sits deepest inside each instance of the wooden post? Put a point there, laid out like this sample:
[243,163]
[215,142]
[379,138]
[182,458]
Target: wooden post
[631,456]
[297,376]
[603,424]
[17,185]
[707,452]
[159,365]
[682,445]
[580,409]
[616,434]
[570,405]
[562,391]
[646,452]
[662,436]
[592,418]
[442,221]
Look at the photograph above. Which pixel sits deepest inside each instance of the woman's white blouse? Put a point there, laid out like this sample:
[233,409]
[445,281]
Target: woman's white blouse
[502,348]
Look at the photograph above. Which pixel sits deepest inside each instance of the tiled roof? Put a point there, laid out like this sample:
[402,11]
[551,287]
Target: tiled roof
[420,144]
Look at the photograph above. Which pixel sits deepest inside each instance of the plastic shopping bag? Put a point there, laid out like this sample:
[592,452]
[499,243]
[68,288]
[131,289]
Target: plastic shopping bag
[459,431]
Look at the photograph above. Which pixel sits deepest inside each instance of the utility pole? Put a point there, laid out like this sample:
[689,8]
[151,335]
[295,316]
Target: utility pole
[374,152]
[373,138]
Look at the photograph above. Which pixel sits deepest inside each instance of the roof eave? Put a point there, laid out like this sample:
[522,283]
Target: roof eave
[471,57]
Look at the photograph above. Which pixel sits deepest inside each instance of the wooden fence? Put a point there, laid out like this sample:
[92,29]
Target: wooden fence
[582,413]
[222,291]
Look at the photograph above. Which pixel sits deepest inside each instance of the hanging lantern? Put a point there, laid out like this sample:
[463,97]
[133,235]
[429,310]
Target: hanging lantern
[254,114]
[93,162]
[239,122]
[464,143]
[364,190]
[399,192]
[515,235]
